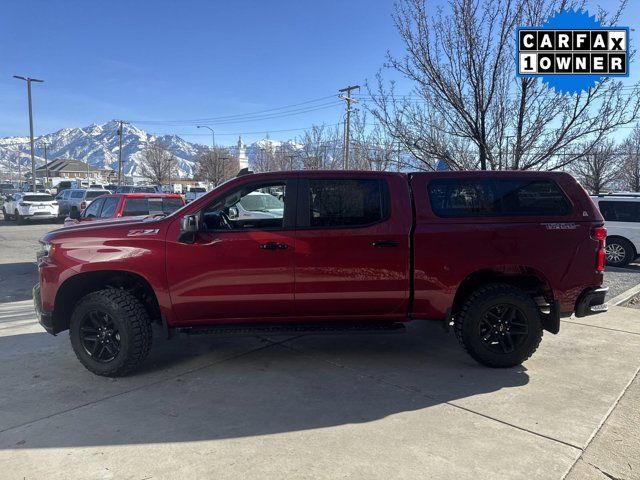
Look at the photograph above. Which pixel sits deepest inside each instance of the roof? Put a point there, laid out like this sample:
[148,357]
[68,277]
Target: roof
[146,195]
[67,165]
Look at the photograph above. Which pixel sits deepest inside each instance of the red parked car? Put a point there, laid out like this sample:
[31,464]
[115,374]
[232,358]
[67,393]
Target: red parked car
[499,256]
[128,205]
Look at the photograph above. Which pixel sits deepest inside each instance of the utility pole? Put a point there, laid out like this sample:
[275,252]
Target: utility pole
[120,154]
[46,162]
[347,98]
[33,158]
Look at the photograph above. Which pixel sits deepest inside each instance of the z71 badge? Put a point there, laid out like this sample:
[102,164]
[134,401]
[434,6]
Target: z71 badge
[139,232]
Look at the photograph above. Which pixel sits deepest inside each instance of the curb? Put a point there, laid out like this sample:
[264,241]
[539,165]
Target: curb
[624,296]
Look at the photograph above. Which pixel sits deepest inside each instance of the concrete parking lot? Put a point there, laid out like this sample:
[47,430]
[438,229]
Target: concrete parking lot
[410,405]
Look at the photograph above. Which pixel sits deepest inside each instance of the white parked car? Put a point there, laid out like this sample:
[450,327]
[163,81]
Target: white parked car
[257,205]
[36,206]
[621,214]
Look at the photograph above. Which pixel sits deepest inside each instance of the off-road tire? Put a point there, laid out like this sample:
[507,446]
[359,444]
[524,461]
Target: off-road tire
[623,246]
[132,321]
[18,218]
[467,324]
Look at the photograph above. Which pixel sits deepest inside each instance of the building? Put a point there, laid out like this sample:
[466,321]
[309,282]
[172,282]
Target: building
[71,169]
[243,160]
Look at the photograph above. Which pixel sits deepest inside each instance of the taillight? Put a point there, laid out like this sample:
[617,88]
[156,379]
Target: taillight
[83,205]
[600,234]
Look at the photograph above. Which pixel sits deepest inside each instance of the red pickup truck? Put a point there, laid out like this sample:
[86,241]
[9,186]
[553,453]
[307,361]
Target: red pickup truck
[499,256]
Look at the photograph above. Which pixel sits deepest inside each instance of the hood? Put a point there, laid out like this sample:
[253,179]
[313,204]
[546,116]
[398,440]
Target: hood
[97,225]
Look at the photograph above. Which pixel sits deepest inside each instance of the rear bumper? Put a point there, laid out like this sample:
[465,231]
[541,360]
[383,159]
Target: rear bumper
[44,318]
[40,216]
[591,302]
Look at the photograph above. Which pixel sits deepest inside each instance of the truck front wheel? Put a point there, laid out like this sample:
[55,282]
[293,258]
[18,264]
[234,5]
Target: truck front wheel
[499,325]
[110,332]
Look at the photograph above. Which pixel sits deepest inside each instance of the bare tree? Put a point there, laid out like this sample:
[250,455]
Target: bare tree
[630,153]
[467,100]
[598,169]
[157,163]
[320,148]
[216,165]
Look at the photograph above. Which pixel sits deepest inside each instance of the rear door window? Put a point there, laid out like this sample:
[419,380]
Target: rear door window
[136,206]
[347,202]
[77,194]
[620,211]
[482,197]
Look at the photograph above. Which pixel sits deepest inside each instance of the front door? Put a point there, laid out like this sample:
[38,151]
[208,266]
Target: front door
[241,265]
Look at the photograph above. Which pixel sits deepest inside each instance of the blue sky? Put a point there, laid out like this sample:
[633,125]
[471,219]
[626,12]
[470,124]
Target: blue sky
[170,60]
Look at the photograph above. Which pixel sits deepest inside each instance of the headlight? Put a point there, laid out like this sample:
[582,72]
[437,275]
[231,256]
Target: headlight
[46,250]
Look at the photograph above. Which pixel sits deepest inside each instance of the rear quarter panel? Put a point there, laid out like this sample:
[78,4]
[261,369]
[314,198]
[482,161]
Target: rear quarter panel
[558,249]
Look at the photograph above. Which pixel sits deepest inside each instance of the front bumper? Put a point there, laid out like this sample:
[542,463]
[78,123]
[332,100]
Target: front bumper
[44,318]
[591,302]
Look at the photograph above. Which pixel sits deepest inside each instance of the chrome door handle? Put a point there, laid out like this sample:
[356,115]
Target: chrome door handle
[273,246]
[385,243]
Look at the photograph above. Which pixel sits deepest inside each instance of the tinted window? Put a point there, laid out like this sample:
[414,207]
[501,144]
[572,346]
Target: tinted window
[109,207]
[93,209]
[136,206]
[620,211]
[340,203]
[91,194]
[77,194]
[38,198]
[170,205]
[495,197]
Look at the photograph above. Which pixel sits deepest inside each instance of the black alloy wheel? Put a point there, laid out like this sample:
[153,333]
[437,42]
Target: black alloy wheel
[100,336]
[503,328]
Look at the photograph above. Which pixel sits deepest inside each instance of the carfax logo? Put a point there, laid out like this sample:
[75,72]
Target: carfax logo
[572,52]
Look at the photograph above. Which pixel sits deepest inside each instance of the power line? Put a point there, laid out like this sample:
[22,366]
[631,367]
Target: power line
[236,116]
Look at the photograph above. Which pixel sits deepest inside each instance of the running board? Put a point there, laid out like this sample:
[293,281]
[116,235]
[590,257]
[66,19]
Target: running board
[325,328]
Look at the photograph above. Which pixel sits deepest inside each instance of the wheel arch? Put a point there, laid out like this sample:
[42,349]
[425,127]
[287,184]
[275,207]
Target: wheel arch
[524,277]
[81,284]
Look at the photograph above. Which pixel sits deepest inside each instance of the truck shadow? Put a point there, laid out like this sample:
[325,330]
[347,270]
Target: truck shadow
[204,388]
[17,280]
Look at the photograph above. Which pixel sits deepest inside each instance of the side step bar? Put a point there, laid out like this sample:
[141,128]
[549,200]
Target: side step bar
[322,328]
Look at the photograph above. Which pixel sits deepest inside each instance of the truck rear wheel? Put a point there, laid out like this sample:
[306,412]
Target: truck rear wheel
[110,332]
[499,325]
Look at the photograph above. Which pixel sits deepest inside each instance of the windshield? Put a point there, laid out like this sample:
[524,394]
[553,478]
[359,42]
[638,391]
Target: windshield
[257,203]
[38,198]
[91,194]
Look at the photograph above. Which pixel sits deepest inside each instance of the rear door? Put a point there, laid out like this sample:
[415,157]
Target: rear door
[352,247]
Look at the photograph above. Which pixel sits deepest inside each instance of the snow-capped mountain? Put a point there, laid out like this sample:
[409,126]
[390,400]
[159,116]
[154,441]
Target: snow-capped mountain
[97,144]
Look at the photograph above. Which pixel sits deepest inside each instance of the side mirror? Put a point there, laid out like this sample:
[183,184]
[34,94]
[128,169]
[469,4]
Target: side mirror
[233,213]
[188,229]
[74,213]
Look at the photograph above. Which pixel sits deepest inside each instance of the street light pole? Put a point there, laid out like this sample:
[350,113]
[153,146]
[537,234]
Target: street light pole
[213,134]
[33,158]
